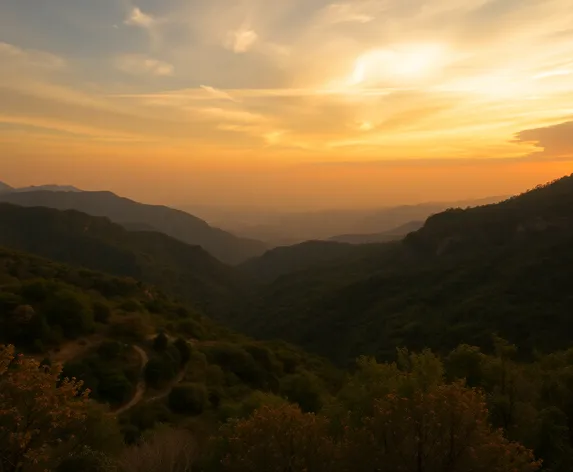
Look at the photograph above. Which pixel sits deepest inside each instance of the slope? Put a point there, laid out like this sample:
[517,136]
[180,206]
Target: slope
[105,330]
[302,257]
[174,223]
[188,272]
[502,268]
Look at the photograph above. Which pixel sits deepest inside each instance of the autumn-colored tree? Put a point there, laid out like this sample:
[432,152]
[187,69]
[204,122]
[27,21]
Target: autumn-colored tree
[38,412]
[444,429]
[278,440]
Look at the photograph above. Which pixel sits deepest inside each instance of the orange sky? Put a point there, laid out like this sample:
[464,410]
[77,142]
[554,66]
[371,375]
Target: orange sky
[310,104]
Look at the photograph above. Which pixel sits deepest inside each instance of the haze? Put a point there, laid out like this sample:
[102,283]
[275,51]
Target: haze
[289,103]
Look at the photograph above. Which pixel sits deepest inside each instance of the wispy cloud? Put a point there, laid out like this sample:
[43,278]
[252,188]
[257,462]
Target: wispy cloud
[30,57]
[142,65]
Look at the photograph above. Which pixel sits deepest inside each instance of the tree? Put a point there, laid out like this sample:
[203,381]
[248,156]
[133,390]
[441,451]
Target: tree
[304,389]
[69,310]
[443,429]
[184,350]
[160,342]
[277,440]
[102,312]
[37,411]
[190,398]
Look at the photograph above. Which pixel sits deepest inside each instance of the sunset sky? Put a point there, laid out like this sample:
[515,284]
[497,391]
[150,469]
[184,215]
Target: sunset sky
[303,103]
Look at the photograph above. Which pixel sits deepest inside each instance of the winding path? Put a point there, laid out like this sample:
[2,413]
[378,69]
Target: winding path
[141,386]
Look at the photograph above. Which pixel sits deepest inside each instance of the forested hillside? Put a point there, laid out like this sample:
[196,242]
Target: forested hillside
[467,273]
[175,223]
[187,272]
[300,257]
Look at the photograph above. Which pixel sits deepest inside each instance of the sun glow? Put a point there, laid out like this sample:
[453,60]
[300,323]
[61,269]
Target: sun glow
[401,63]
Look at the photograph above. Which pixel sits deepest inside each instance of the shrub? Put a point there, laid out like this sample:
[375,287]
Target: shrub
[160,342]
[304,389]
[189,398]
[276,440]
[102,312]
[184,350]
[167,450]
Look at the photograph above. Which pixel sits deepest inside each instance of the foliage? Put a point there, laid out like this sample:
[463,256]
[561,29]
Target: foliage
[304,389]
[160,342]
[184,350]
[87,460]
[167,450]
[276,440]
[444,428]
[466,274]
[37,411]
[189,398]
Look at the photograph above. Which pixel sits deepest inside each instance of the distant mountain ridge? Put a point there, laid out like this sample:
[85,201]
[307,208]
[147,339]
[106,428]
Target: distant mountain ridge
[175,223]
[37,188]
[391,235]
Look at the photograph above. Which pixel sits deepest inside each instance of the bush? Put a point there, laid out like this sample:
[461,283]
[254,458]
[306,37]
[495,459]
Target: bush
[102,312]
[184,350]
[70,311]
[110,350]
[233,359]
[147,416]
[132,328]
[166,451]
[87,460]
[305,390]
[159,370]
[131,306]
[190,398]
[160,342]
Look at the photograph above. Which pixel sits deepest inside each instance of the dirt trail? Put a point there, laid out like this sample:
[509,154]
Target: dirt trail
[141,386]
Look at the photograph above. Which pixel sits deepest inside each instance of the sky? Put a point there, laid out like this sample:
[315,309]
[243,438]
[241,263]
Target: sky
[287,103]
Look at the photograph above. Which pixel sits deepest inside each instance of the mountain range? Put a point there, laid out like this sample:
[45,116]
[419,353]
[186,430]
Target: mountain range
[282,227]
[38,188]
[133,215]
[467,273]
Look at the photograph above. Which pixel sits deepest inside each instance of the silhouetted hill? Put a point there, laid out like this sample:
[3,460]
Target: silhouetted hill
[391,235]
[503,268]
[175,223]
[188,272]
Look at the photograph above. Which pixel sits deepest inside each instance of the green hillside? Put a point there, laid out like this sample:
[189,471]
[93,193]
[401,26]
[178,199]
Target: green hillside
[187,272]
[502,268]
[90,321]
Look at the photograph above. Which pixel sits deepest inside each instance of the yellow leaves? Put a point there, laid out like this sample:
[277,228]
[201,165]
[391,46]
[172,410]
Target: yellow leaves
[33,407]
